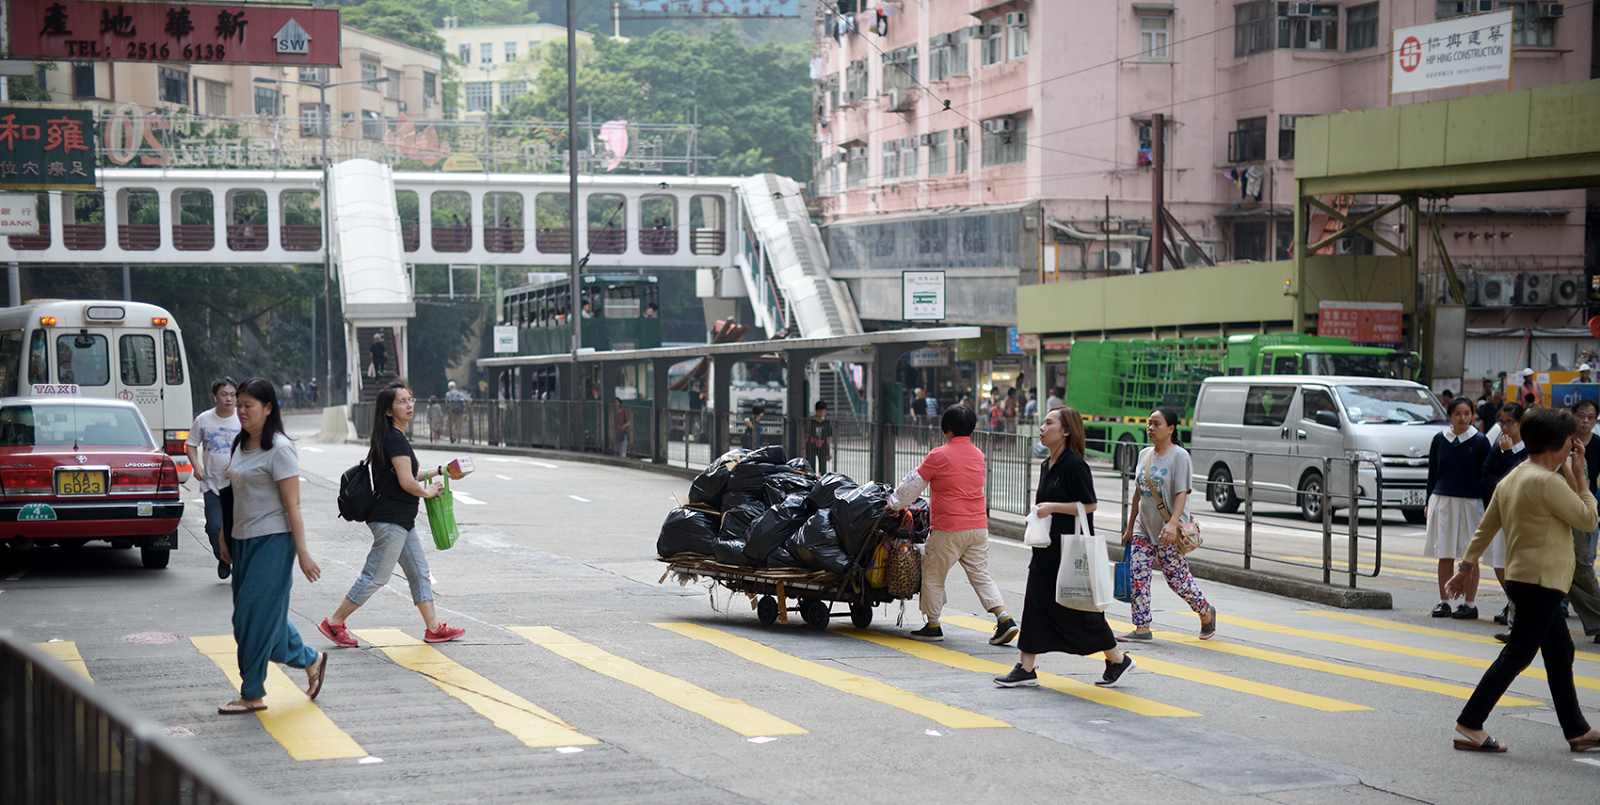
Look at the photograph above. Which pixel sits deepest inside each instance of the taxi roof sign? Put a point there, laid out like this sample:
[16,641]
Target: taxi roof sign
[55,389]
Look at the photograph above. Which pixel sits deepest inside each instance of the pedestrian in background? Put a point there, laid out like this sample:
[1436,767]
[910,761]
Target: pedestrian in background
[1489,405]
[1164,479]
[1528,393]
[1455,496]
[455,402]
[1507,452]
[1538,504]
[1064,482]
[209,445]
[262,539]
[398,485]
[380,354]
[959,515]
[1585,592]
[624,421]
[435,420]
[752,426]
[819,438]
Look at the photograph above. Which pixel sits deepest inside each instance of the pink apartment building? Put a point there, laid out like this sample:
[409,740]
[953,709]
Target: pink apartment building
[997,140]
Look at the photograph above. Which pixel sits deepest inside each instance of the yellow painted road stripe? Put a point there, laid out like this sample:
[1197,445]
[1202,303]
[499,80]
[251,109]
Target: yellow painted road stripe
[1060,684]
[1427,630]
[1340,567]
[731,713]
[1216,680]
[1393,648]
[953,717]
[290,718]
[67,653]
[529,723]
[1382,677]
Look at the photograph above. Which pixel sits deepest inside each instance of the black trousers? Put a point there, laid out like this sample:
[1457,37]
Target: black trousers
[1538,627]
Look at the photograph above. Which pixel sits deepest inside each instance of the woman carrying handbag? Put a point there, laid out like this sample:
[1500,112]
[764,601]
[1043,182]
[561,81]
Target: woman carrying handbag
[1064,485]
[1164,480]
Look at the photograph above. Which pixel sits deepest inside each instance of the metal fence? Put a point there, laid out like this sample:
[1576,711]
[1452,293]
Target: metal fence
[65,742]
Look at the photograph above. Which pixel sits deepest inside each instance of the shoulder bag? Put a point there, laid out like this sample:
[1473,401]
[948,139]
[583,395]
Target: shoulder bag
[1189,537]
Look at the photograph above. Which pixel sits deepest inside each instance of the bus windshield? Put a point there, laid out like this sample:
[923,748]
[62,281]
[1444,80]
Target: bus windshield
[1402,405]
[1356,365]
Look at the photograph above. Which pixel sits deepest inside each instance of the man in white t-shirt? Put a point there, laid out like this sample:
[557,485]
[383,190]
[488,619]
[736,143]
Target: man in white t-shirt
[212,438]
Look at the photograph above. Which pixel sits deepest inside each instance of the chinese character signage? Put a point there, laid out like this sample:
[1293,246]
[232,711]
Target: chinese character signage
[46,149]
[1451,53]
[1374,324]
[82,30]
[18,215]
[716,8]
[922,295]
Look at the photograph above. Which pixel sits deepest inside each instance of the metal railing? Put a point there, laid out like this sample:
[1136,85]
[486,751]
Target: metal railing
[64,741]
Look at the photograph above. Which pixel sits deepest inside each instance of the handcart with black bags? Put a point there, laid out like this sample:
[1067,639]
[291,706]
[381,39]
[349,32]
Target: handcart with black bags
[759,525]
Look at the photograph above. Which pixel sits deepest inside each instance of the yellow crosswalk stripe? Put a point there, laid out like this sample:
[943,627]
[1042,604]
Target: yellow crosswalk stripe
[290,718]
[1392,648]
[953,717]
[1582,656]
[1203,677]
[529,723]
[731,713]
[1060,684]
[1382,677]
[67,653]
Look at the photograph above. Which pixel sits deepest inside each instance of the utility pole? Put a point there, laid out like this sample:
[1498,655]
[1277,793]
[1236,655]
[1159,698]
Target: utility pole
[572,187]
[1158,161]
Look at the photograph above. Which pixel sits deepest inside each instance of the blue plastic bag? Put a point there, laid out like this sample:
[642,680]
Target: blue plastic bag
[1123,574]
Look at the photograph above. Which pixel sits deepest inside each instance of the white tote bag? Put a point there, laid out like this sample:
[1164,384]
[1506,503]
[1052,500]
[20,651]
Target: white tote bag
[1084,580]
[1035,532]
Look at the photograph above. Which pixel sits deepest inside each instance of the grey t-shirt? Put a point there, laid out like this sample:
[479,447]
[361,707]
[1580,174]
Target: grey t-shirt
[254,474]
[1170,475]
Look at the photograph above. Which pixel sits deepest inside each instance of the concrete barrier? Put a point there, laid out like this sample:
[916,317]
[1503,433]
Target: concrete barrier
[336,426]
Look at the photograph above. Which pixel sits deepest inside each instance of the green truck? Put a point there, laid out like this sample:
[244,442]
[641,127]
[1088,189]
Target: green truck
[1116,384]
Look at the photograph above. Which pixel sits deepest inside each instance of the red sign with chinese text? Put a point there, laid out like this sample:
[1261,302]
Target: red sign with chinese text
[185,33]
[1364,323]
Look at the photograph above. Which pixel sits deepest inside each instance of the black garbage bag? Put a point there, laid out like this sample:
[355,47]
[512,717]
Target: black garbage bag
[780,485]
[736,521]
[771,454]
[774,528]
[817,545]
[687,531]
[800,465]
[730,552]
[781,557]
[828,488]
[747,483]
[856,512]
[712,483]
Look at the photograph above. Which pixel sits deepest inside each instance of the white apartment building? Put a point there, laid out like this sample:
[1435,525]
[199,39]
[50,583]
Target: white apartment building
[494,64]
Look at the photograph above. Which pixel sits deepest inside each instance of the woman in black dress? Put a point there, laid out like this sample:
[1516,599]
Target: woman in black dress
[1064,480]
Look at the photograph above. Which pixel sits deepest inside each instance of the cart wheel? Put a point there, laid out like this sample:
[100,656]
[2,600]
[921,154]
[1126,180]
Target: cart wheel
[861,615]
[815,613]
[767,610]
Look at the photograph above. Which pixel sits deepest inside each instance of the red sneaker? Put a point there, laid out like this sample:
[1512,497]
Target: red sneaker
[444,634]
[337,633]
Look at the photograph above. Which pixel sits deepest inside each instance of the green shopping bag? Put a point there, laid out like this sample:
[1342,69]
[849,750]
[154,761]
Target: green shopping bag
[442,517]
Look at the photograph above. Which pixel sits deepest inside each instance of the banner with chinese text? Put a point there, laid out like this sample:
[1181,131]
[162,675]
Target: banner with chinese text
[1452,52]
[1368,324]
[46,149]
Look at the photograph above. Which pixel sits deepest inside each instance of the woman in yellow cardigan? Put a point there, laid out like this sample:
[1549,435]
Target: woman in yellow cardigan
[1538,504]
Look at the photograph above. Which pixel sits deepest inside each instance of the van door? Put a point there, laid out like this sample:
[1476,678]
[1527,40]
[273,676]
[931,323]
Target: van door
[1315,441]
[1266,434]
[137,379]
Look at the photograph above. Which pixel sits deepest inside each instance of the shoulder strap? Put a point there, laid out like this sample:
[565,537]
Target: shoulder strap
[1150,486]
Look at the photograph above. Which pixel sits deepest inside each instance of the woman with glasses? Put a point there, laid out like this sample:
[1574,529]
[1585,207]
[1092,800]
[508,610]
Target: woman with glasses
[1456,496]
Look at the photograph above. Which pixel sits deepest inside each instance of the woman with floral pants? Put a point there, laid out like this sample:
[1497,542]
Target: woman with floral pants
[1164,479]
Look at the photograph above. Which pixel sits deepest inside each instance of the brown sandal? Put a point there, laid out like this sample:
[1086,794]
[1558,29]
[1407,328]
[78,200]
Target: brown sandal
[314,677]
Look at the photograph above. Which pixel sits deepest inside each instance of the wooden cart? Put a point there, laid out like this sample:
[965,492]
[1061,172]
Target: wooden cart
[816,592]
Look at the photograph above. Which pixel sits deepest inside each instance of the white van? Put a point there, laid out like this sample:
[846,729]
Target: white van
[129,351]
[1292,422]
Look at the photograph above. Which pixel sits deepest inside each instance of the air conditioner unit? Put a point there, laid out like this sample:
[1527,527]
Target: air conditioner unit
[1552,10]
[1469,287]
[926,139]
[975,31]
[1111,225]
[1567,290]
[402,106]
[1533,289]
[998,125]
[960,133]
[858,153]
[1116,260]
[427,102]
[888,58]
[1345,246]
[902,56]
[1297,9]
[1286,122]
[1017,19]
[1191,257]
[1496,290]
[944,40]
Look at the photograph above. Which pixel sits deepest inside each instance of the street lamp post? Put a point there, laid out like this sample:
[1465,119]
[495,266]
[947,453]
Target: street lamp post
[324,122]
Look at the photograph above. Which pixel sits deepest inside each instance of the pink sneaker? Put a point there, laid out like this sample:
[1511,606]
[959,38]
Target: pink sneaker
[444,634]
[337,633]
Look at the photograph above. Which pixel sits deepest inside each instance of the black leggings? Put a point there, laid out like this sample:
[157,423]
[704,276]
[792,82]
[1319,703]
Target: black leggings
[1538,627]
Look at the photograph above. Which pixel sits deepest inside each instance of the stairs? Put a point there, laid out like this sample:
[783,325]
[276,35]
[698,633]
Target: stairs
[371,385]
[835,389]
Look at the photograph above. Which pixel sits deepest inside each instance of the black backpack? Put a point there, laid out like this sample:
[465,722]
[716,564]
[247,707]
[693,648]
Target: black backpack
[357,498]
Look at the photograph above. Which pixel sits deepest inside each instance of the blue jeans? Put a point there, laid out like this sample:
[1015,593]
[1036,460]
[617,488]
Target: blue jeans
[263,569]
[214,522]
[393,543]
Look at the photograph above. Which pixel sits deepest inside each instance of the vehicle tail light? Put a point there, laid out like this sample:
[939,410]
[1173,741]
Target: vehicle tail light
[26,482]
[169,478]
[174,441]
[138,481]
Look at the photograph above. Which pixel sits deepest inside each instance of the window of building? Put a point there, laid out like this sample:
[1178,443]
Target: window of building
[216,98]
[465,53]
[369,70]
[1153,37]
[1248,141]
[486,53]
[479,96]
[266,102]
[993,46]
[83,79]
[173,85]
[908,157]
[947,55]
[371,124]
[1317,31]
[891,159]
[1286,135]
[939,153]
[511,51]
[900,68]
[963,148]
[1529,26]
[855,172]
[1005,141]
[1283,241]
[430,90]
[1250,240]
[855,81]
[1252,27]
[512,90]
[391,88]
[314,75]
[1361,27]
[1017,35]
[1444,9]
[313,120]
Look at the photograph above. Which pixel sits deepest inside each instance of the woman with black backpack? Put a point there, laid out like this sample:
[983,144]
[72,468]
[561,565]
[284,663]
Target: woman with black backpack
[397,486]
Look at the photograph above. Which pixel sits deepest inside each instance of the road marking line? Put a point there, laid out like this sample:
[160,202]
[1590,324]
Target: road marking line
[534,726]
[1340,567]
[1393,648]
[462,497]
[1060,684]
[294,721]
[953,717]
[580,500]
[501,460]
[1381,677]
[1164,668]
[504,477]
[1588,760]
[731,713]
[67,653]
[1428,630]
[17,575]
[310,449]
[547,465]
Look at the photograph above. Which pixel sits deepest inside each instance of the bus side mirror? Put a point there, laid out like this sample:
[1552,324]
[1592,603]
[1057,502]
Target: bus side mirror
[1329,418]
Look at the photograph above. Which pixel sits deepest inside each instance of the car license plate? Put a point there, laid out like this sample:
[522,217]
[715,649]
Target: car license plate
[80,482]
[1414,497]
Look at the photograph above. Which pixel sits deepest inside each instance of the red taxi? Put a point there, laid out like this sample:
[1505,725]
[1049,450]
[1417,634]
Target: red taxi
[78,469]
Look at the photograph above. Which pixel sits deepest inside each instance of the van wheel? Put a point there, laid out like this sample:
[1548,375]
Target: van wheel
[1126,456]
[1224,498]
[1415,516]
[155,558]
[1311,497]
